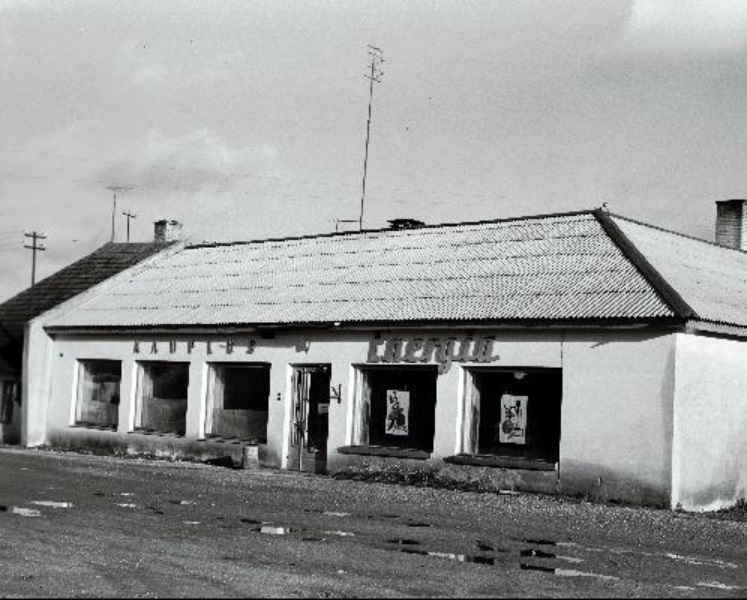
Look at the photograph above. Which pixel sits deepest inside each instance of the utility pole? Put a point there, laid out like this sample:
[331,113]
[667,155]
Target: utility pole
[114,212]
[115,188]
[34,247]
[375,76]
[129,215]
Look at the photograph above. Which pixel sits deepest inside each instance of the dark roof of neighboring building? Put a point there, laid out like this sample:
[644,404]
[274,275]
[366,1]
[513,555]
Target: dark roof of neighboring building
[110,259]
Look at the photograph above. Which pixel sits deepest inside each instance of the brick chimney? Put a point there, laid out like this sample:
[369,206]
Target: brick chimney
[167,231]
[731,223]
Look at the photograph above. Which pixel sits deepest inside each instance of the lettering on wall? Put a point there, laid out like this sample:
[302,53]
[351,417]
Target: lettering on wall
[442,351]
[173,346]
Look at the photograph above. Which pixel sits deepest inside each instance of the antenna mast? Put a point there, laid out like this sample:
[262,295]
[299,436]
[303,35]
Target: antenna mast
[374,76]
[114,212]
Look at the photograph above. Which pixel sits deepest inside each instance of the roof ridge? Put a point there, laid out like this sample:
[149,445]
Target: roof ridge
[390,230]
[631,252]
[677,233]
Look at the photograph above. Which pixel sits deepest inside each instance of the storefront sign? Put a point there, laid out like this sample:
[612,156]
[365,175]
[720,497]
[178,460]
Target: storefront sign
[443,351]
[513,426]
[174,346]
[397,412]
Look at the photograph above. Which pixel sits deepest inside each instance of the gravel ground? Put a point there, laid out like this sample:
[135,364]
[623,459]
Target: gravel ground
[79,525]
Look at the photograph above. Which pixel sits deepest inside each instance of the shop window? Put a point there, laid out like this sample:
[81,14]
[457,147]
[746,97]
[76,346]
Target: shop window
[98,393]
[238,402]
[514,414]
[163,397]
[397,408]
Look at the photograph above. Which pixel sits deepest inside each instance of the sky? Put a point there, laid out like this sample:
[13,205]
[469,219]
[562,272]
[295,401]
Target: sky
[247,120]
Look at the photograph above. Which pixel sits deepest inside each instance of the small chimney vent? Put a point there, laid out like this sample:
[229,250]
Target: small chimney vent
[167,231]
[405,223]
[731,224]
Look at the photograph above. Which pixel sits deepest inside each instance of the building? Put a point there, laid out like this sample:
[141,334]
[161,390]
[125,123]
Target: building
[15,313]
[578,353]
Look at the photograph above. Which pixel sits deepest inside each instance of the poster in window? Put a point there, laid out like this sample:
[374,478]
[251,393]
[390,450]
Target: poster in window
[397,412]
[513,426]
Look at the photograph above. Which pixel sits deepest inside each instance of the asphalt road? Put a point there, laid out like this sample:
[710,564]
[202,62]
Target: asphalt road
[75,525]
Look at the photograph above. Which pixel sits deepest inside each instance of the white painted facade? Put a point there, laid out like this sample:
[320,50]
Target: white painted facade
[709,458]
[637,414]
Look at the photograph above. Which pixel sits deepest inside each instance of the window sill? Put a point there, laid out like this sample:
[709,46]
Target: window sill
[385,451]
[158,433]
[504,462]
[233,440]
[83,425]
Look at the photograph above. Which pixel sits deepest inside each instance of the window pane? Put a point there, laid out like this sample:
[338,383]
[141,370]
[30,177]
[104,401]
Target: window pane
[240,402]
[98,392]
[403,403]
[163,397]
[519,413]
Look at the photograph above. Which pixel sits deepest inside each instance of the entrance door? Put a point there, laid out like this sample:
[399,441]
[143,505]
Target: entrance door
[310,418]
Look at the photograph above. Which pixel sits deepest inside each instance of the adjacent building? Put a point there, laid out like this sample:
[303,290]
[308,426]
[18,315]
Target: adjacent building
[577,353]
[15,313]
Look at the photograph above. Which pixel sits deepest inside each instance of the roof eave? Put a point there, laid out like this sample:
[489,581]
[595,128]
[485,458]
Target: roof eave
[675,323]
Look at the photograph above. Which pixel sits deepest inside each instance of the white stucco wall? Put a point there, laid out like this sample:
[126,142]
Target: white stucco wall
[616,417]
[616,423]
[344,351]
[710,423]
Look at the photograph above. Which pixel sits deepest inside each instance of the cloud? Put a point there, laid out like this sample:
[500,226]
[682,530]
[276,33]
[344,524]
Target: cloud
[154,73]
[689,27]
[193,162]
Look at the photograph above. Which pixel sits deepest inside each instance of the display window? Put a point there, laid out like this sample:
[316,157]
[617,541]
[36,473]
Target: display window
[98,393]
[397,408]
[514,413]
[238,402]
[162,405]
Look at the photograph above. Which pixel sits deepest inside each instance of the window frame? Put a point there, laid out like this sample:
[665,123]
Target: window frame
[360,440]
[213,385]
[534,456]
[82,365]
[142,383]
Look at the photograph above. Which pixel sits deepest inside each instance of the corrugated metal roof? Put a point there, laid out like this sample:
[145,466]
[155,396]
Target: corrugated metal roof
[553,267]
[710,278]
[70,281]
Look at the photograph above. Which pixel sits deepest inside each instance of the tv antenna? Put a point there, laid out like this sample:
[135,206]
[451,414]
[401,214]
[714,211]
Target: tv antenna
[375,77]
[118,188]
[338,222]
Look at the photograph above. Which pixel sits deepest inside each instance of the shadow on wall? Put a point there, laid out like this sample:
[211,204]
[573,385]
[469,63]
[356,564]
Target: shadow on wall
[724,495]
[438,474]
[590,481]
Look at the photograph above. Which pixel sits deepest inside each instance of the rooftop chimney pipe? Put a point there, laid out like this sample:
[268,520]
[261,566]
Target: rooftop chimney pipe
[731,224]
[167,231]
